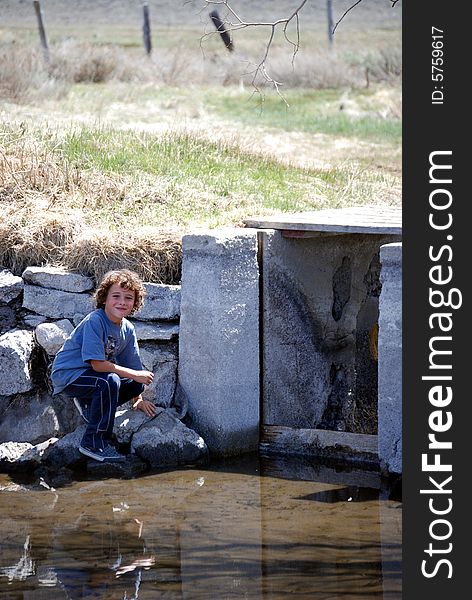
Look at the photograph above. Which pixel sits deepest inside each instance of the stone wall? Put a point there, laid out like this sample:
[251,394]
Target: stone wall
[38,311]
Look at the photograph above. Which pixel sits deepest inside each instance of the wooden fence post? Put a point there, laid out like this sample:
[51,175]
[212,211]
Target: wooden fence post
[220,26]
[329,8]
[42,32]
[147,29]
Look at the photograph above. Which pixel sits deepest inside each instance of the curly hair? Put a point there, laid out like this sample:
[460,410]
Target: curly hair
[126,279]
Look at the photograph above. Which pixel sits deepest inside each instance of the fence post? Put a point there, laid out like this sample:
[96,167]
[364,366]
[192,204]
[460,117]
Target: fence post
[220,26]
[329,8]
[42,32]
[146,28]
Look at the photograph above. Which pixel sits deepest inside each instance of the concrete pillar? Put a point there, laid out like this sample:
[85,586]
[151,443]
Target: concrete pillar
[219,338]
[390,359]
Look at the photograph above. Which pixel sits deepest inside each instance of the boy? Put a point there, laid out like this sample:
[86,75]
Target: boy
[99,364]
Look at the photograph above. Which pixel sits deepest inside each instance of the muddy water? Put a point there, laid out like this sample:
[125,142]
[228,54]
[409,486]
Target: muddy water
[252,528]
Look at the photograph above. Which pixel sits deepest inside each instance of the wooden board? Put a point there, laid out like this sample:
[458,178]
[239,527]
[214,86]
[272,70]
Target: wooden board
[359,219]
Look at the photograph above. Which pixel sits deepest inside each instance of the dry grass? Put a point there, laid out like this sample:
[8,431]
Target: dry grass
[26,76]
[43,203]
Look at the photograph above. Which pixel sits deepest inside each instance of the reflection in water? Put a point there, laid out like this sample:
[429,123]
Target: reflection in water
[252,528]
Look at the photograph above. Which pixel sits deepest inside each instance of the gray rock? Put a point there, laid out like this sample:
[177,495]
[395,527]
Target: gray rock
[21,456]
[11,286]
[131,467]
[65,451]
[34,320]
[165,441]
[127,423]
[156,331]
[31,418]
[7,319]
[16,455]
[58,279]
[162,302]
[56,303]
[15,353]
[51,336]
[163,363]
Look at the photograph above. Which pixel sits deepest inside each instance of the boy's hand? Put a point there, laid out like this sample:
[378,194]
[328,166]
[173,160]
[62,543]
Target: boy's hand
[148,408]
[145,377]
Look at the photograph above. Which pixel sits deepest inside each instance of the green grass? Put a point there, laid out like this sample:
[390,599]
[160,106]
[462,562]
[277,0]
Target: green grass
[309,111]
[197,182]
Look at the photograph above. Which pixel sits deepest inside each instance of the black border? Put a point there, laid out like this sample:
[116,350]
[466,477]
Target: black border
[427,128]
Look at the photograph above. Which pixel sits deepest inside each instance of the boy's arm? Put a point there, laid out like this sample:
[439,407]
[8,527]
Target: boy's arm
[106,366]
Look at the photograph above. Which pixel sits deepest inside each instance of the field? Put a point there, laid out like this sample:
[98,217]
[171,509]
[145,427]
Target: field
[107,155]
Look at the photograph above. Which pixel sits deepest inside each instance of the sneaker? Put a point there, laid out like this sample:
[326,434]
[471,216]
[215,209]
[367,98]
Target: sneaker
[95,453]
[108,454]
[111,455]
[83,410]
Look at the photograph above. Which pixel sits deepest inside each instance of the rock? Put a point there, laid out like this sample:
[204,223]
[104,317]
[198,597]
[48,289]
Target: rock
[53,478]
[58,279]
[34,320]
[31,418]
[156,331]
[7,319]
[163,363]
[21,456]
[11,286]
[131,467]
[56,304]
[165,441]
[127,423]
[15,352]
[161,302]
[16,456]
[65,451]
[51,336]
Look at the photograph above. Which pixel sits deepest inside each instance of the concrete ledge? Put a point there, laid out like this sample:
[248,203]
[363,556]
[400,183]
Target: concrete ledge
[339,446]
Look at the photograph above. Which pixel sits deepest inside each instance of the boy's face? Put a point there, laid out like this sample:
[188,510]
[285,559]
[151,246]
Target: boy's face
[119,303]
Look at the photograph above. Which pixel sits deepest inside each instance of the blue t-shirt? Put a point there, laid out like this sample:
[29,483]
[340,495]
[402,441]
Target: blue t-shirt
[95,338]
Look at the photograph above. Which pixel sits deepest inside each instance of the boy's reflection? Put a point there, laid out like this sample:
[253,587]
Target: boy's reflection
[101,558]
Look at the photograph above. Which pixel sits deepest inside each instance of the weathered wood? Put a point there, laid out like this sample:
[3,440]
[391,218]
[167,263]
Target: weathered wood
[359,219]
[147,29]
[329,10]
[295,233]
[41,29]
[338,446]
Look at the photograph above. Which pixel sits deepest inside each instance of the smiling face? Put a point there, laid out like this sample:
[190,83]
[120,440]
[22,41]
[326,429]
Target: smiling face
[119,303]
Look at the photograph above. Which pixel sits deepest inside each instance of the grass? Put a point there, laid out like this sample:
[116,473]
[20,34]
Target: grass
[320,111]
[107,156]
[90,195]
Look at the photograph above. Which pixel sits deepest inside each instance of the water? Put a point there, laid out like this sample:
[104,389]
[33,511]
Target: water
[251,528]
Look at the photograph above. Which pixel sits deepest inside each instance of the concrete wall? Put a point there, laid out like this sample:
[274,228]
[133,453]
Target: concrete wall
[219,338]
[390,360]
[320,311]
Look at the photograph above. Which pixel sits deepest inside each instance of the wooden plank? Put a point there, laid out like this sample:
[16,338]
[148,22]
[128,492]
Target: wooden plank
[359,219]
[297,234]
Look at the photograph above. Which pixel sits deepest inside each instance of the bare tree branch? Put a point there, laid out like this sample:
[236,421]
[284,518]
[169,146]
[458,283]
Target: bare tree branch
[345,13]
[234,22]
